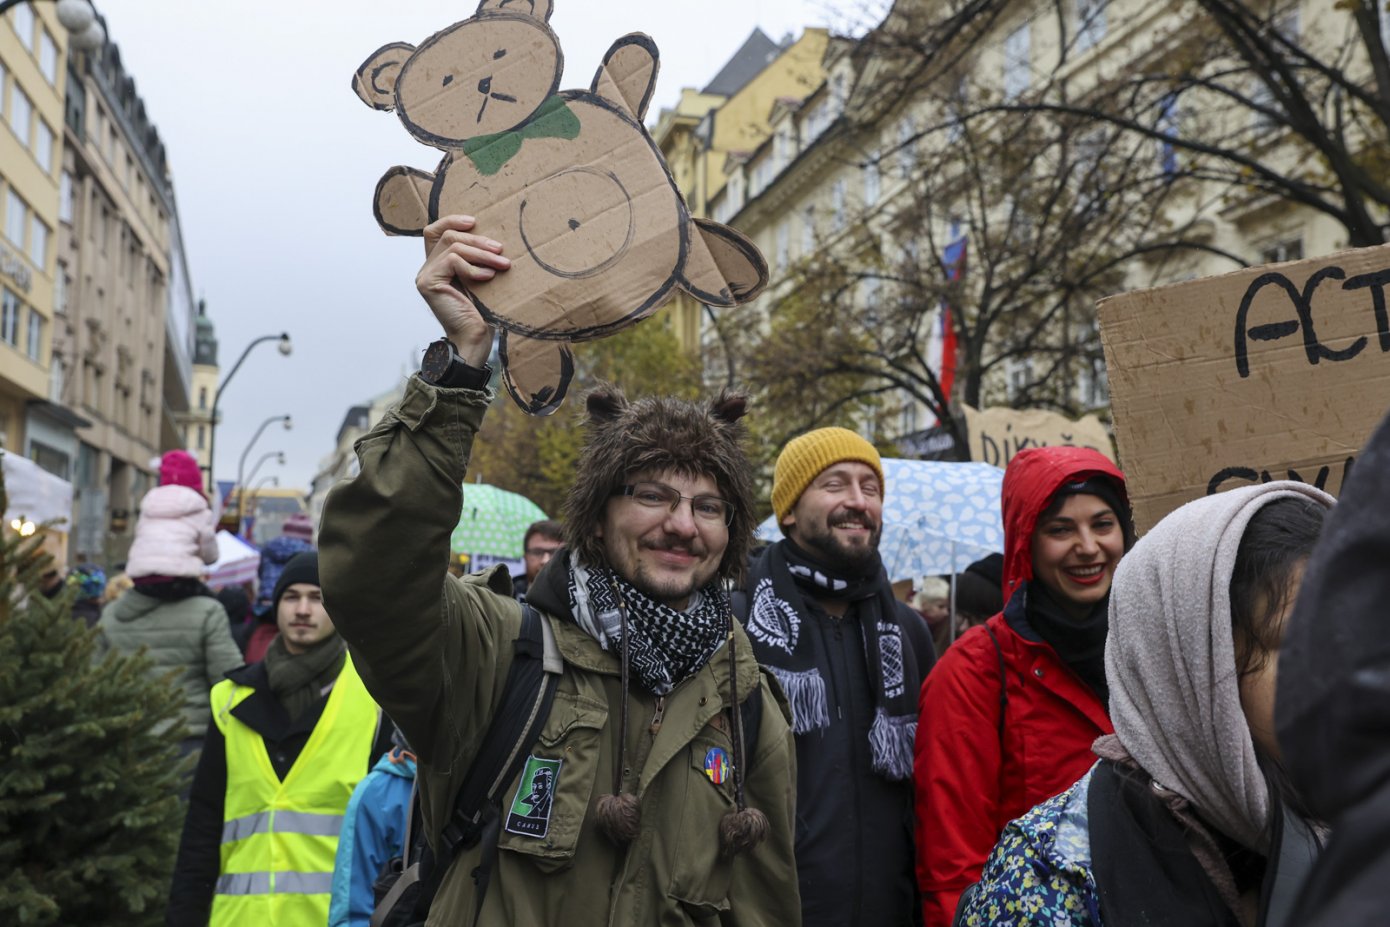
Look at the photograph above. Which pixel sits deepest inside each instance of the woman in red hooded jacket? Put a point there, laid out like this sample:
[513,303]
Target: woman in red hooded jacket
[1009,713]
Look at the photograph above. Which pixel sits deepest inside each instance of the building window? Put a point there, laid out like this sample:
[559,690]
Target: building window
[1090,23]
[48,57]
[837,204]
[9,317]
[1017,62]
[202,397]
[202,435]
[21,113]
[1169,124]
[61,280]
[35,335]
[50,459]
[43,147]
[784,245]
[872,178]
[906,154]
[38,243]
[16,217]
[24,25]
[808,230]
[1291,250]
[65,198]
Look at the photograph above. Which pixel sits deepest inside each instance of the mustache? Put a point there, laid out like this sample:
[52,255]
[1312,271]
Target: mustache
[853,518]
[688,547]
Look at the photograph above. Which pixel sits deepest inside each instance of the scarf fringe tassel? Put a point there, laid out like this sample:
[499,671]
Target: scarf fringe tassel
[806,693]
[890,743]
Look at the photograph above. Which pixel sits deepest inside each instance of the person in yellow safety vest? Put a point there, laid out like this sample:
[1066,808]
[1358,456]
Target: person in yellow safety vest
[291,737]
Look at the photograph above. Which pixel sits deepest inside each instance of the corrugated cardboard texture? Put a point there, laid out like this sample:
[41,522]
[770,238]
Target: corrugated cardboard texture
[997,433]
[1277,372]
[569,181]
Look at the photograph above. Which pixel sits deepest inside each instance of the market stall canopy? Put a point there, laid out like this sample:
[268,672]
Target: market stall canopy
[35,494]
[237,562]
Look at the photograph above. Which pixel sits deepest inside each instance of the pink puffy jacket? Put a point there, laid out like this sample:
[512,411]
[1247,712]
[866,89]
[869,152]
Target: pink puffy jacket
[175,535]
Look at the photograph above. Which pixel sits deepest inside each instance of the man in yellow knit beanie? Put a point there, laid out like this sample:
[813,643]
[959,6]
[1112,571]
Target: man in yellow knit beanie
[820,611]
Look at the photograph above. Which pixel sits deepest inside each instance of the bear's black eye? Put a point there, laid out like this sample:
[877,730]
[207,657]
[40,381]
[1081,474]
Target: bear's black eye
[500,53]
[448,79]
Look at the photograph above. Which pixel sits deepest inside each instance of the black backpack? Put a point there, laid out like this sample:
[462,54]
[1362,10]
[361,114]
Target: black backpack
[407,885]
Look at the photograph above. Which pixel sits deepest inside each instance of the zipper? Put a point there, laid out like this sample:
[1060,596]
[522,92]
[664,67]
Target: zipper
[660,713]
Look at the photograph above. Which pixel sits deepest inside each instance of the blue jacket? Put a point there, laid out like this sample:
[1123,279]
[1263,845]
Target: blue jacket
[373,832]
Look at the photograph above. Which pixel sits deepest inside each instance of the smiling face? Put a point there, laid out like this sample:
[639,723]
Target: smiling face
[840,515]
[665,554]
[480,77]
[1076,550]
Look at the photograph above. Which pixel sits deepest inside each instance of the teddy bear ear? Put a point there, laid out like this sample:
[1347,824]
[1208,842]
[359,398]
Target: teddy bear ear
[729,407]
[375,80]
[605,403]
[540,9]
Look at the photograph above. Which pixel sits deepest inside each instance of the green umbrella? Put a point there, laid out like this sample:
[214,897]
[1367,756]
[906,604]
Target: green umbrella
[493,522]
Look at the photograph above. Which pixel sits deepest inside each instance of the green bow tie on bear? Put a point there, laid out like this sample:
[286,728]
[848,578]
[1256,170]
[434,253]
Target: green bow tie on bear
[552,120]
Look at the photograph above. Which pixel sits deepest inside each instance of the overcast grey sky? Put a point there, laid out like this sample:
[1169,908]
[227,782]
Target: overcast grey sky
[275,160]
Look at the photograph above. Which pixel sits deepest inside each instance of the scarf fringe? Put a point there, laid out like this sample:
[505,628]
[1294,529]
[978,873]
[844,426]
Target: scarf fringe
[890,742]
[806,692]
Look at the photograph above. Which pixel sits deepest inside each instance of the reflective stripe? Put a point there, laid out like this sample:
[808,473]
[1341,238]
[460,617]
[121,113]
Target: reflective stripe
[308,823]
[244,883]
[304,883]
[241,828]
[286,822]
[286,883]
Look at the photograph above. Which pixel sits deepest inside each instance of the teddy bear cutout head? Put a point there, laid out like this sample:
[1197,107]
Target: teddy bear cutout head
[569,181]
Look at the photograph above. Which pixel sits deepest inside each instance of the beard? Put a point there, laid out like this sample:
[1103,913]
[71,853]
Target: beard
[823,542]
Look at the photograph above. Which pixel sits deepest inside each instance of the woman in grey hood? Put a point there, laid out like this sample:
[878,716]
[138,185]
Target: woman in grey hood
[1188,818]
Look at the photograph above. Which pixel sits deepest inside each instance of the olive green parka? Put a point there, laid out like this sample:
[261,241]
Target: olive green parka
[434,651]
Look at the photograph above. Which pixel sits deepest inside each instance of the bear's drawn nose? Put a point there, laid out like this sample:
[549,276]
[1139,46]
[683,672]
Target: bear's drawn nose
[485,85]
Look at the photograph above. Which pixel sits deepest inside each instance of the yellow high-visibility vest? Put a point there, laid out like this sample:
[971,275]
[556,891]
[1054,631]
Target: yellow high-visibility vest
[279,838]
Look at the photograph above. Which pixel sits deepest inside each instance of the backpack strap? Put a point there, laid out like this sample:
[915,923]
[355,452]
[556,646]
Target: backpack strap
[527,696]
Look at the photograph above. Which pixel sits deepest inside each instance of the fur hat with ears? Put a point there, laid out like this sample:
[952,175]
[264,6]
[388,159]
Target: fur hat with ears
[654,434]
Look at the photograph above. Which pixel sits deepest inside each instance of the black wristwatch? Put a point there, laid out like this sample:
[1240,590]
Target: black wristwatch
[442,366]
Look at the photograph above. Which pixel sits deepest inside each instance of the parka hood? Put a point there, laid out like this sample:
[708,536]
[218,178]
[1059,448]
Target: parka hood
[172,502]
[1030,481]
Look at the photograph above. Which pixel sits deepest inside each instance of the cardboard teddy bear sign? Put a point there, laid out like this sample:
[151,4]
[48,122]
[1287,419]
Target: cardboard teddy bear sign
[568,180]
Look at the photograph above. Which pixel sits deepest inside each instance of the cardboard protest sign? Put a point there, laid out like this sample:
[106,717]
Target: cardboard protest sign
[568,180]
[997,434]
[1270,373]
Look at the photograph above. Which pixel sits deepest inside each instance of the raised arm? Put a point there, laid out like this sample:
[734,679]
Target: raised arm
[427,646]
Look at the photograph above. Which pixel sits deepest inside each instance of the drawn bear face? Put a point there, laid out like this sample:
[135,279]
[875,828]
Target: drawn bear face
[450,103]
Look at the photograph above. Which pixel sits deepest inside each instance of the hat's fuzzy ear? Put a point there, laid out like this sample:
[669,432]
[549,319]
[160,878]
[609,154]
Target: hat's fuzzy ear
[729,407]
[605,404]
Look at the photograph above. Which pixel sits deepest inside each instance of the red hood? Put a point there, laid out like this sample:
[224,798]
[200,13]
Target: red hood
[1031,480]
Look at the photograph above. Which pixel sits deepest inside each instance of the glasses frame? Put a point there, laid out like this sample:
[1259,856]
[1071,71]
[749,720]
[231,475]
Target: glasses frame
[630,490]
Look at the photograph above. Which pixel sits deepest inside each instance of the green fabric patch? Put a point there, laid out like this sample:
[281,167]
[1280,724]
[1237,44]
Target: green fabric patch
[554,119]
[529,814]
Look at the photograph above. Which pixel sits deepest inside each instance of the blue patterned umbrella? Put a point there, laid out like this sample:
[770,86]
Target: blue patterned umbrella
[938,517]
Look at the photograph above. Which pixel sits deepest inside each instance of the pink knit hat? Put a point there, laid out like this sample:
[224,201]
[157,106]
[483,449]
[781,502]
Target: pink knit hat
[179,468]
[299,525]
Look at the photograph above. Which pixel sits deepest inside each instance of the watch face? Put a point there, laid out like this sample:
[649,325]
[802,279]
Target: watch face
[436,362]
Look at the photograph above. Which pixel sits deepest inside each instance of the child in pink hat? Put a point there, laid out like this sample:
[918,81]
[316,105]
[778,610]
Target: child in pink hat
[175,537]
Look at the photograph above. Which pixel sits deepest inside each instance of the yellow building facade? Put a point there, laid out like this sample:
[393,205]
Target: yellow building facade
[33,76]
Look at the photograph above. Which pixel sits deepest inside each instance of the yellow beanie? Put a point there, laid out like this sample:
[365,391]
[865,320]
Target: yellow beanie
[807,455]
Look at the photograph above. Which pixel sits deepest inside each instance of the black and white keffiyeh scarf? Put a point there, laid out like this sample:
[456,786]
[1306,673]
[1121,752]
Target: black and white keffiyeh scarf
[779,583]
[664,646]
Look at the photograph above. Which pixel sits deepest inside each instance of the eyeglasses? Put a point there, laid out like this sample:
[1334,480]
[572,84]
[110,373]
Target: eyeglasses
[541,552]
[659,495]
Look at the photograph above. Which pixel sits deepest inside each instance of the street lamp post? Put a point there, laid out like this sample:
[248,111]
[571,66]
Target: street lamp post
[241,464]
[285,348]
[78,17]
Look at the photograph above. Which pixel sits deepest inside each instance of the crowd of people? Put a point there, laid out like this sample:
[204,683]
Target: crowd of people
[1079,731]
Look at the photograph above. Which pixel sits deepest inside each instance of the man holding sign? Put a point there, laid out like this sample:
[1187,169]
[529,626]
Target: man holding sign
[660,787]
